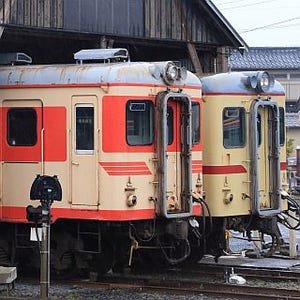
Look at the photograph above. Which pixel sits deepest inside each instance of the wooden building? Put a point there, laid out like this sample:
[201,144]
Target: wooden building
[191,31]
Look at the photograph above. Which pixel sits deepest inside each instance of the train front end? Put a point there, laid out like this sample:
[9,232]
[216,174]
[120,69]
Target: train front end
[244,152]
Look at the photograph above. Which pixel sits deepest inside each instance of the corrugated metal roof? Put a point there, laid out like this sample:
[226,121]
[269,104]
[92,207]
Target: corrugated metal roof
[235,83]
[108,73]
[266,58]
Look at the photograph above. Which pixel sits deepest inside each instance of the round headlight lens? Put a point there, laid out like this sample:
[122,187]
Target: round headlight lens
[263,81]
[171,72]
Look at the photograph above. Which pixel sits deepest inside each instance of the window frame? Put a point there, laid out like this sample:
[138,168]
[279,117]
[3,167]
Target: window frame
[83,151]
[170,129]
[34,132]
[151,119]
[196,142]
[282,132]
[243,124]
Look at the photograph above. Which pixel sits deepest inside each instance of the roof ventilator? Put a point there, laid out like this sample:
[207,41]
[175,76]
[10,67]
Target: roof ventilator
[101,55]
[15,58]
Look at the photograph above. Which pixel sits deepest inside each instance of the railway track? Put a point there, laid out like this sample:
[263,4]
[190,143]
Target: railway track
[273,274]
[187,287]
[209,281]
[197,281]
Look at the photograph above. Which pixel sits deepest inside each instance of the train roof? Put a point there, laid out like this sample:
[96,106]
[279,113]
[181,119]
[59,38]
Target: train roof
[102,74]
[239,83]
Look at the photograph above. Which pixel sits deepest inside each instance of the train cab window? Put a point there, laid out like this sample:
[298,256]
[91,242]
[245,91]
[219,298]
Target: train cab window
[281,126]
[259,129]
[139,122]
[84,128]
[22,127]
[170,122]
[234,127]
[195,123]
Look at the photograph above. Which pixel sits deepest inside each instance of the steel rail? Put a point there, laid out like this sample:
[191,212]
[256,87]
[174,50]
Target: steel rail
[247,272]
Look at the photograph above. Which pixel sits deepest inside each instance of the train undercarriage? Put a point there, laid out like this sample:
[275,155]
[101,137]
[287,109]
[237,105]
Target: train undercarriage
[93,246]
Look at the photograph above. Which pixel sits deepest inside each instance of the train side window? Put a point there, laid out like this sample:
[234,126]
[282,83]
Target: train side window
[84,128]
[281,126]
[234,127]
[195,123]
[21,127]
[139,122]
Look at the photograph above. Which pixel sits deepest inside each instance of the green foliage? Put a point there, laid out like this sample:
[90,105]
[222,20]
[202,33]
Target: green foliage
[289,147]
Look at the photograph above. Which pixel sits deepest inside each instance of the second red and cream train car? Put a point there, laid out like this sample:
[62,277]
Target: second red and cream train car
[244,154]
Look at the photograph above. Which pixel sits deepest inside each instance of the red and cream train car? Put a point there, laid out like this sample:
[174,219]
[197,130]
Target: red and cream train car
[124,140]
[244,153]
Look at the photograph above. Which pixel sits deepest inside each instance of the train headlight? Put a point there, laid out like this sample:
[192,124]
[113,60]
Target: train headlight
[264,81]
[172,73]
[261,82]
[169,72]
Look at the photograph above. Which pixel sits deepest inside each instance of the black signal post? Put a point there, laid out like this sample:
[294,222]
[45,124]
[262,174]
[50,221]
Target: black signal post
[46,189]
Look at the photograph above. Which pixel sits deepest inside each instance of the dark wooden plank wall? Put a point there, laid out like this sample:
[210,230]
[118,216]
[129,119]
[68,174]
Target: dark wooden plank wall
[179,20]
[32,13]
[115,17]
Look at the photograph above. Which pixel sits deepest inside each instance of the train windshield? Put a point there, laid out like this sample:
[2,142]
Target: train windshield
[281,126]
[139,122]
[234,127]
[195,123]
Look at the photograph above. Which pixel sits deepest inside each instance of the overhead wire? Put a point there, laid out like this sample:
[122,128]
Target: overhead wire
[241,4]
[229,2]
[244,5]
[270,25]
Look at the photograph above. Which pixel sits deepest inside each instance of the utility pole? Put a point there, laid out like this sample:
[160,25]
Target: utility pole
[46,189]
[45,250]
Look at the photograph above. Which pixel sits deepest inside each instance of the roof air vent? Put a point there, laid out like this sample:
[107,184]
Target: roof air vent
[16,58]
[102,55]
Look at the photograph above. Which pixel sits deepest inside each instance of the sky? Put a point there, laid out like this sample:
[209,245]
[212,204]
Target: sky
[264,23]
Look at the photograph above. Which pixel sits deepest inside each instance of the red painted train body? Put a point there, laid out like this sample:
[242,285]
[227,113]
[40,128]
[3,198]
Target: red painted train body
[134,146]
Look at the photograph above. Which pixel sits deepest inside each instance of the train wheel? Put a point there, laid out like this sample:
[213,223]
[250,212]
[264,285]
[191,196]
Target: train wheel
[5,259]
[196,254]
[197,250]
[63,262]
[148,261]
[103,261]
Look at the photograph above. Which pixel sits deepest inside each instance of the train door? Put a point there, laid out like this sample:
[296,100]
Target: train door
[22,148]
[174,155]
[84,171]
[265,163]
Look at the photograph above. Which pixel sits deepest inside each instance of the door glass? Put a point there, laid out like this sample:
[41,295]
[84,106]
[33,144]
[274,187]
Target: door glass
[281,126]
[259,129]
[170,128]
[195,123]
[84,129]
